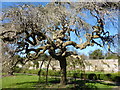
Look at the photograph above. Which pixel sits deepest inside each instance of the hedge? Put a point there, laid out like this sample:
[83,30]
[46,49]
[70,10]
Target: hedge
[77,74]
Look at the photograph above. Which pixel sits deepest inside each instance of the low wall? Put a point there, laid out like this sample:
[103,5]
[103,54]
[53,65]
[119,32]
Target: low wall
[106,65]
[109,65]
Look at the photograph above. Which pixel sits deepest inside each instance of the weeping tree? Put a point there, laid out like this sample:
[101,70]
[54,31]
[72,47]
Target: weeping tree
[9,59]
[34,30]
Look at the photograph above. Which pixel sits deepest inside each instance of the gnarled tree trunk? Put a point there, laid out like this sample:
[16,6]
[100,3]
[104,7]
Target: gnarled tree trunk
[63,65]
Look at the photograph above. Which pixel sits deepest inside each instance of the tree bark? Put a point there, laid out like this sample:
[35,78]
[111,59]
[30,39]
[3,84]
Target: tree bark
[63,65]
[11,72]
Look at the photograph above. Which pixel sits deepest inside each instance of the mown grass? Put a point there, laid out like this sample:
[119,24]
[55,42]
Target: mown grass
[29,81]
[19,81]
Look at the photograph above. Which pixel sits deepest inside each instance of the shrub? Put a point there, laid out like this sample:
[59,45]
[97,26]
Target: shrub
[108,75]
[16,69]
[92,76]
[83,76]
[53,73]
[117,79]
[75,75]
[98,77]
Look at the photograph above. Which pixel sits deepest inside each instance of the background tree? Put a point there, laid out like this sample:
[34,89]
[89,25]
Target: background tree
[111,56]
[9,59]
[97,54]
[84,57]
[34,30]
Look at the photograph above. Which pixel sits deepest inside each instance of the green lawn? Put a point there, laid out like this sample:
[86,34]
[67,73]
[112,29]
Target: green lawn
[19,81]
[29,81]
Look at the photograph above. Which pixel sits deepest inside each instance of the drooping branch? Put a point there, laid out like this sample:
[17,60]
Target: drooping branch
[93,15]
[39,72]
[47,70]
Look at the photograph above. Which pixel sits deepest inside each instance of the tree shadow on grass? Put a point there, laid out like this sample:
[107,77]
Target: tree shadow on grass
[89,84]
[102,82]
[55,81]
[26,83]
[76,85]
[81,85]
[105,83]
[42,84]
